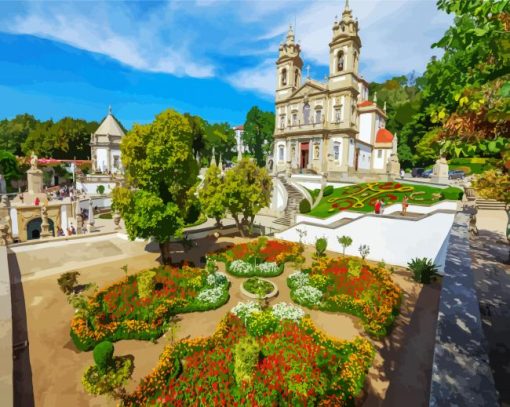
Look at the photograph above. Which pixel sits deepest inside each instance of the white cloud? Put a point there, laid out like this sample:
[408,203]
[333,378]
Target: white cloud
[261,78]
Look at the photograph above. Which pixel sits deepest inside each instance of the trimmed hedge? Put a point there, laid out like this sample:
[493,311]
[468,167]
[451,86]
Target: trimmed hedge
[304,206]
[452,193]
[328,190]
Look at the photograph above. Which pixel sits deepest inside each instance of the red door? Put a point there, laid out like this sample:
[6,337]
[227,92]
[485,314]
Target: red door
[305,147]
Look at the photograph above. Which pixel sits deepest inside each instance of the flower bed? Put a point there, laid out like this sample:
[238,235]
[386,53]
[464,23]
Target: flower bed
[117,312]
[297,365]
[258,287]
[260,258]
[347,285]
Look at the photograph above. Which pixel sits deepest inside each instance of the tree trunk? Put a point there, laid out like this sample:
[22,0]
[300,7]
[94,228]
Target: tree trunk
[165,253]
[238,225]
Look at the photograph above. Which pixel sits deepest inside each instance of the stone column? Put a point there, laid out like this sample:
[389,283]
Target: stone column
[440,171]
[91,221]
[45,225]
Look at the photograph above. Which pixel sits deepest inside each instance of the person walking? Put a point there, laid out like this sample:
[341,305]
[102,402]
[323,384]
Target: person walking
[377,207]
[405,204]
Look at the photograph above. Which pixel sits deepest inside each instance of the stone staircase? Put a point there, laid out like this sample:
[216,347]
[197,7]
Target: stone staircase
[294,197]
[489,204]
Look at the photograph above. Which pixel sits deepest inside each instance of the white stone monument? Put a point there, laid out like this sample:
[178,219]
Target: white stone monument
[34,177]
[393,165]
[440,171]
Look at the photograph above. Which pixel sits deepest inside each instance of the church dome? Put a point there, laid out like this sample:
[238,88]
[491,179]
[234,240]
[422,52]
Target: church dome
[383,136]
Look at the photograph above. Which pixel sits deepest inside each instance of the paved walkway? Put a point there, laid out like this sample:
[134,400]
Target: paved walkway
[489,252]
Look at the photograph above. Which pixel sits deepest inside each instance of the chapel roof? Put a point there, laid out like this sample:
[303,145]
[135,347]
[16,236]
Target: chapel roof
[383,136]
[110,126]
[366,103]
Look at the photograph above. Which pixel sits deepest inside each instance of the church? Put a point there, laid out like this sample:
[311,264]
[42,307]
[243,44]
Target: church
[331,127]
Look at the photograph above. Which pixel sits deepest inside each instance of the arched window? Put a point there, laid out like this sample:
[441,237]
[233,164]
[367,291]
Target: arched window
[284,77]
[340,61]
[318,116]
[306,113]
[296,78]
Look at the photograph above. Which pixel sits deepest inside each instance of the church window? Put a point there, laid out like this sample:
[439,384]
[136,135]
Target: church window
[284,77]
[379,153]
[340,61]
[294,119]
[296,78]
[336,151]
[306,113]
[318,116]
[281,152]
[338,114]
[282,121]
[316,152]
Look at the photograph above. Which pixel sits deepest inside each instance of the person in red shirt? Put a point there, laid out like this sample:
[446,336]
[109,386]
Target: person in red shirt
[377,207]
[36,202]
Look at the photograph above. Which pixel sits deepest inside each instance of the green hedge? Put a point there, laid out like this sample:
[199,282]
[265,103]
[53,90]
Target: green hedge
[328,190]
[304,206]
[452,193]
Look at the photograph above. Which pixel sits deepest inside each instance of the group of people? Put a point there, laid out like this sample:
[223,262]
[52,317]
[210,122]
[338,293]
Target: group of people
[379,206]
[69,232]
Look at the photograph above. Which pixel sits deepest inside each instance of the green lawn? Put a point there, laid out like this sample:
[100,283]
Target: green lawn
[361,197]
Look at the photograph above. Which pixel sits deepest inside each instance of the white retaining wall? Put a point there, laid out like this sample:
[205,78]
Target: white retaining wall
[396,241]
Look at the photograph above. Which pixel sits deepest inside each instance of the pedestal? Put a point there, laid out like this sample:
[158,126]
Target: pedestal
[440,172]
[35,181]
[393,167]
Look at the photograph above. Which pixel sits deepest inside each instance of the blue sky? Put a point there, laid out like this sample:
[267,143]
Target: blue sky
[213,58]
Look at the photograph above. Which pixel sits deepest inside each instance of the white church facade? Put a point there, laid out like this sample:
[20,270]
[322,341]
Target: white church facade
[331,127]
[105,146]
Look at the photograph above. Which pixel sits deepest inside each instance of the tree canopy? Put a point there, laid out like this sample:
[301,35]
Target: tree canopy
[211,194]
[160,176]
[258,133]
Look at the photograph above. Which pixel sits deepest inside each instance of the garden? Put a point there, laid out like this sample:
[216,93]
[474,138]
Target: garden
[264,351]
[362,197]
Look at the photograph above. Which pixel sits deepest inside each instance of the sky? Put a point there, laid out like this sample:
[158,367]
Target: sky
[212,58]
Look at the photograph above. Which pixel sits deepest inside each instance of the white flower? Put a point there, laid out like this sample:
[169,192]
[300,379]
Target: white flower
[283,310]
[308,294]
[211,295]
[244,309]
[268,268]
[216,279]
[241,267]
[298,279]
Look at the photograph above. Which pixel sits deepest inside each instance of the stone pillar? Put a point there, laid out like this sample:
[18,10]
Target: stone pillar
[393,167]
[35,181]
[5,216]
[45,225]
[440,171]
[116,220]
[91,222]
[3,234]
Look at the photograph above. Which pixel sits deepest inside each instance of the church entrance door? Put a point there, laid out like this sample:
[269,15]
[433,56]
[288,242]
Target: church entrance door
[356,159]
[305,147]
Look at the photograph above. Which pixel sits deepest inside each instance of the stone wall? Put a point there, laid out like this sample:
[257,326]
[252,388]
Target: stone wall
[6,362]
[461,375]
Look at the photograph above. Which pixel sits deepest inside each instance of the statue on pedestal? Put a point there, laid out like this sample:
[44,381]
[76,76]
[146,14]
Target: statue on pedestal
[33,161]
[45,225]
[440,171]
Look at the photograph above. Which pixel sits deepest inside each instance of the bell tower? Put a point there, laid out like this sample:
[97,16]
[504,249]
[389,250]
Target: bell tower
[288,67]
[345,47]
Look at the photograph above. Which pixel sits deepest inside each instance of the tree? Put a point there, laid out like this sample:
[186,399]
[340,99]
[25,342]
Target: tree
[160,175]
[247,189]
[14,132]
[220,137]
[345,242]
[8,167]
[258,133]
[198,126]
[211,194]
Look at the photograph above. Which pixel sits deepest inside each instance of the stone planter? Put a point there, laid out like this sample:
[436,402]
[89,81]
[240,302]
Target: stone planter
[255,296]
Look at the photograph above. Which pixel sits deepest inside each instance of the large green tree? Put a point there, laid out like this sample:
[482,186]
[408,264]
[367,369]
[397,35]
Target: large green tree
[160,176]
[220,137]
[14,132]
[8,167]
[258,133]
[211,194]
[247,189]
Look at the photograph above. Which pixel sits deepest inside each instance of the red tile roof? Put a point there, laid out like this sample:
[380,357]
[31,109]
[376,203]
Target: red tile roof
[240,127]
[365,103]
[383,136]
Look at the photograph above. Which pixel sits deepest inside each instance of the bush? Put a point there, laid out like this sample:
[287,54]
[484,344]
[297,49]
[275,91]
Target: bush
[145,282]
[103,355]
[452,193]
[423,270]
[328,190]
[68,281]
[97,382]
[321,244]
[193,212]
[260,323]
[100,189]
[246,357]
[304,206]
[354,268]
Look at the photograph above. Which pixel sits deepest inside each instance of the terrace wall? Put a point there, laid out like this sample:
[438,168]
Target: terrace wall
[6,356]
[461,375]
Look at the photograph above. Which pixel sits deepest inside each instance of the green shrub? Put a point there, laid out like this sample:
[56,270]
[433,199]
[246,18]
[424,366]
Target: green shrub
[328,190]
[423,270]
[452,193]
[68,281]
[246,357]
[145,282]
[321,244]
[97,382]
[103,355]
[344,241]
[354,268]
[304,206]
[261,323]
[100,189]
[193,213]
[319,281]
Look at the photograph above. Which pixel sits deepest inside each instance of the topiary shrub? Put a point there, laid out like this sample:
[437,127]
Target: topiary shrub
[103,355]
[246,357]
[110,381]
[100,189]
[328,190]
[423,270]
[68,281]
[321,244]
[304,206]
[145,282]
